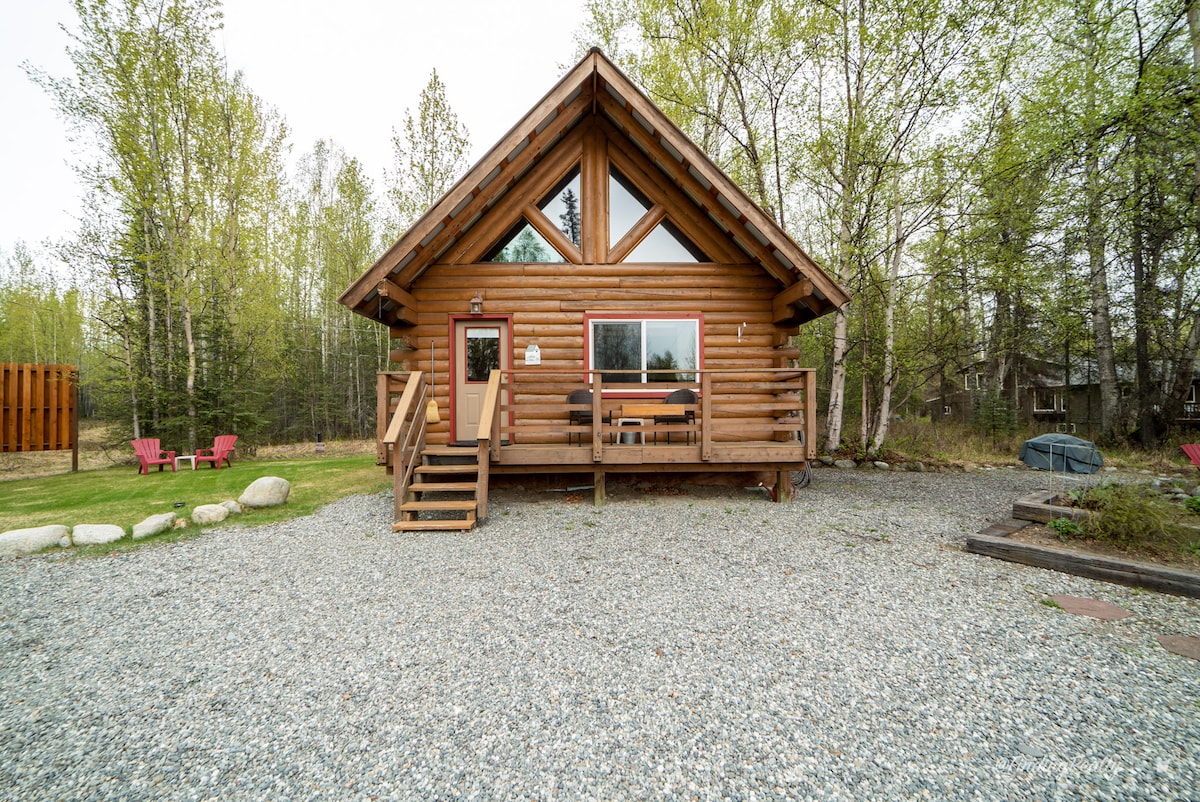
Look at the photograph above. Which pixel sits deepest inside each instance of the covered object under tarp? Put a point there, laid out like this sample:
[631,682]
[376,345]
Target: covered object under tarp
[1062,453]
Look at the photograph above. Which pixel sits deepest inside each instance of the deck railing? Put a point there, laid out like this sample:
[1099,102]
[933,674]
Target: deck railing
[529,407]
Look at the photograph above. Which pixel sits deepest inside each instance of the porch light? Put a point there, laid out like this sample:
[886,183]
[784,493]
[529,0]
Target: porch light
[477,304]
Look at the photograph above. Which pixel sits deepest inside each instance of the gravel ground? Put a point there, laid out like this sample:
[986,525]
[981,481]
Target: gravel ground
[709,645]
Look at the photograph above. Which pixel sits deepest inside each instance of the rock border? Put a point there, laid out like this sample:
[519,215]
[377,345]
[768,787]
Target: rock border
[21,542]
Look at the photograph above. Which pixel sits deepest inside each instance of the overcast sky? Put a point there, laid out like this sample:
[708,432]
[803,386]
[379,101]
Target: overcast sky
[344,70]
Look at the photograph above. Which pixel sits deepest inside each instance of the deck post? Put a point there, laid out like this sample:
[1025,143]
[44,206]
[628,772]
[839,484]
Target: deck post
[783,486]
[810,414]
[706,416]
[381,417]
[597,420]
[599,496]
[481,482]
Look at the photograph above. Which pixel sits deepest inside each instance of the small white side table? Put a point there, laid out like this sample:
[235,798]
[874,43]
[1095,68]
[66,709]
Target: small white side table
[630,422]
[189,458]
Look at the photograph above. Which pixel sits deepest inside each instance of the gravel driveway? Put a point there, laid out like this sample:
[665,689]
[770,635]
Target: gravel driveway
[710,645]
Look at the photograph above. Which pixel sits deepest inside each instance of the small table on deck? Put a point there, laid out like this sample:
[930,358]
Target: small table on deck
[630,422]
[636,414]
[188,458]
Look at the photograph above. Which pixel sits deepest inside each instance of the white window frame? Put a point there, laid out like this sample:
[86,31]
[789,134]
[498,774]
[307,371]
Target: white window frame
[591,319]
[1037,391]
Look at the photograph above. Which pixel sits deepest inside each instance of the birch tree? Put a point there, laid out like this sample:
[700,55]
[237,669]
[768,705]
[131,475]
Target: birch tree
[184,151]
[428,157]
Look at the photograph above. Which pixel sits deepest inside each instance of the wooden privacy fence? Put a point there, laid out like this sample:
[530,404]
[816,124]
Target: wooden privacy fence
[39,409]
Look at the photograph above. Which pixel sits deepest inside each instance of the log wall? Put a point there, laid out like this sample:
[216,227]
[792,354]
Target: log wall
[547,303]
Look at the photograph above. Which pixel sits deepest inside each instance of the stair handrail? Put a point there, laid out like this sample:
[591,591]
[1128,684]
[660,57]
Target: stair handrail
[488,437]
[406,436]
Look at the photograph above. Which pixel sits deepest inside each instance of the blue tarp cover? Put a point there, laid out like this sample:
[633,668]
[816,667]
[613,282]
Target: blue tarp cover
[1062,453]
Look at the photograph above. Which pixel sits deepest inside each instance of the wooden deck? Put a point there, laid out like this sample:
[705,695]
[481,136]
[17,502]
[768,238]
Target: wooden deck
[744,420]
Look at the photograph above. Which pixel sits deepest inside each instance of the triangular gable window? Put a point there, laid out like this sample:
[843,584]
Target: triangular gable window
[557,226]
[561,207]
[626,206]
[666,243]
[523,243]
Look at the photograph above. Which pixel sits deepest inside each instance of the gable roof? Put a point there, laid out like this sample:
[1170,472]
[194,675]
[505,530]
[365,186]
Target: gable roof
[594,88]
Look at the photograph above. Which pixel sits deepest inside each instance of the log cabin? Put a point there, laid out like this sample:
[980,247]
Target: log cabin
[593,297]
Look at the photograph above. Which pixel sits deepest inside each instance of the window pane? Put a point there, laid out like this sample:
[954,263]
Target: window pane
[561,206]
[666,243]
[483,353]
[626,205]
[617,346]
[525,244]
[671,345]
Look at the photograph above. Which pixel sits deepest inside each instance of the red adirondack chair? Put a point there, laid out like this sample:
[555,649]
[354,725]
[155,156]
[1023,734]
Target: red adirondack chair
[149,453]
[222,447]
[1193,453]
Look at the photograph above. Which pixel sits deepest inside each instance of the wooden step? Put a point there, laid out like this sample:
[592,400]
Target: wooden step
[450,451]
[425,470]
[442,487]
[451,504]
[443,524]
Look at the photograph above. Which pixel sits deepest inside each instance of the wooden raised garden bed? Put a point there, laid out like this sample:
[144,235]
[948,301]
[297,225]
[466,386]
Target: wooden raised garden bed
[1039,508]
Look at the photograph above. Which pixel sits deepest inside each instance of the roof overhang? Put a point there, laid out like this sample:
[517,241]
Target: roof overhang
[594,88]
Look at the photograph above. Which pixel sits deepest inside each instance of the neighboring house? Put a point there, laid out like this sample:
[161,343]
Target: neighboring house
[1042,393]
[1191,403]
[594,247]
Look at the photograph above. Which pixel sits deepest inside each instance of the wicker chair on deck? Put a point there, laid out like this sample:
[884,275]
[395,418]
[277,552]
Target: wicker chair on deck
[688,416]
[581,417]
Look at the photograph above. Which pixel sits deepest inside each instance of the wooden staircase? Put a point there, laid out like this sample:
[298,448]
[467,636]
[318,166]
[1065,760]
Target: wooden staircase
[451,476]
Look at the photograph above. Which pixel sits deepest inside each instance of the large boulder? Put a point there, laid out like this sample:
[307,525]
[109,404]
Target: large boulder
[209,514]
[95,534]
[268,491]
[153,525]
[27,541]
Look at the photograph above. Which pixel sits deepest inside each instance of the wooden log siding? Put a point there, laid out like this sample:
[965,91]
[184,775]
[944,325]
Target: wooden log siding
[548,302]
[37,407]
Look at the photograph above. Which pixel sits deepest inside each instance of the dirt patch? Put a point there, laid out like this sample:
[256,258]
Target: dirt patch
[1040,535]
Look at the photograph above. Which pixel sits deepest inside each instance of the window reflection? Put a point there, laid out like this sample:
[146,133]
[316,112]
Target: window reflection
[483,353]
[561,207]
[525,244]
[626,205]
[666,243]
[665,350]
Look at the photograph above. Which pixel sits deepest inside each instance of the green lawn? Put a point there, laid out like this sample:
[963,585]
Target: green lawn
[124,497]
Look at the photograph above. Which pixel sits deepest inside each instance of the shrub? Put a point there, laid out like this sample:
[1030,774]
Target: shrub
[1126,515]
[1065,528]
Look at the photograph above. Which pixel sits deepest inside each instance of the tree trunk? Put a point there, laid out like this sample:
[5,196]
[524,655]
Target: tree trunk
[1147,390]
[884,412]
[190,343]
[1193,15]
[1185,373]
[849,181]
[1097,269]
[1185,370]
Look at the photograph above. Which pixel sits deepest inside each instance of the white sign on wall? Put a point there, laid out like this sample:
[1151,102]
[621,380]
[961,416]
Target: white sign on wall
[533,355]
